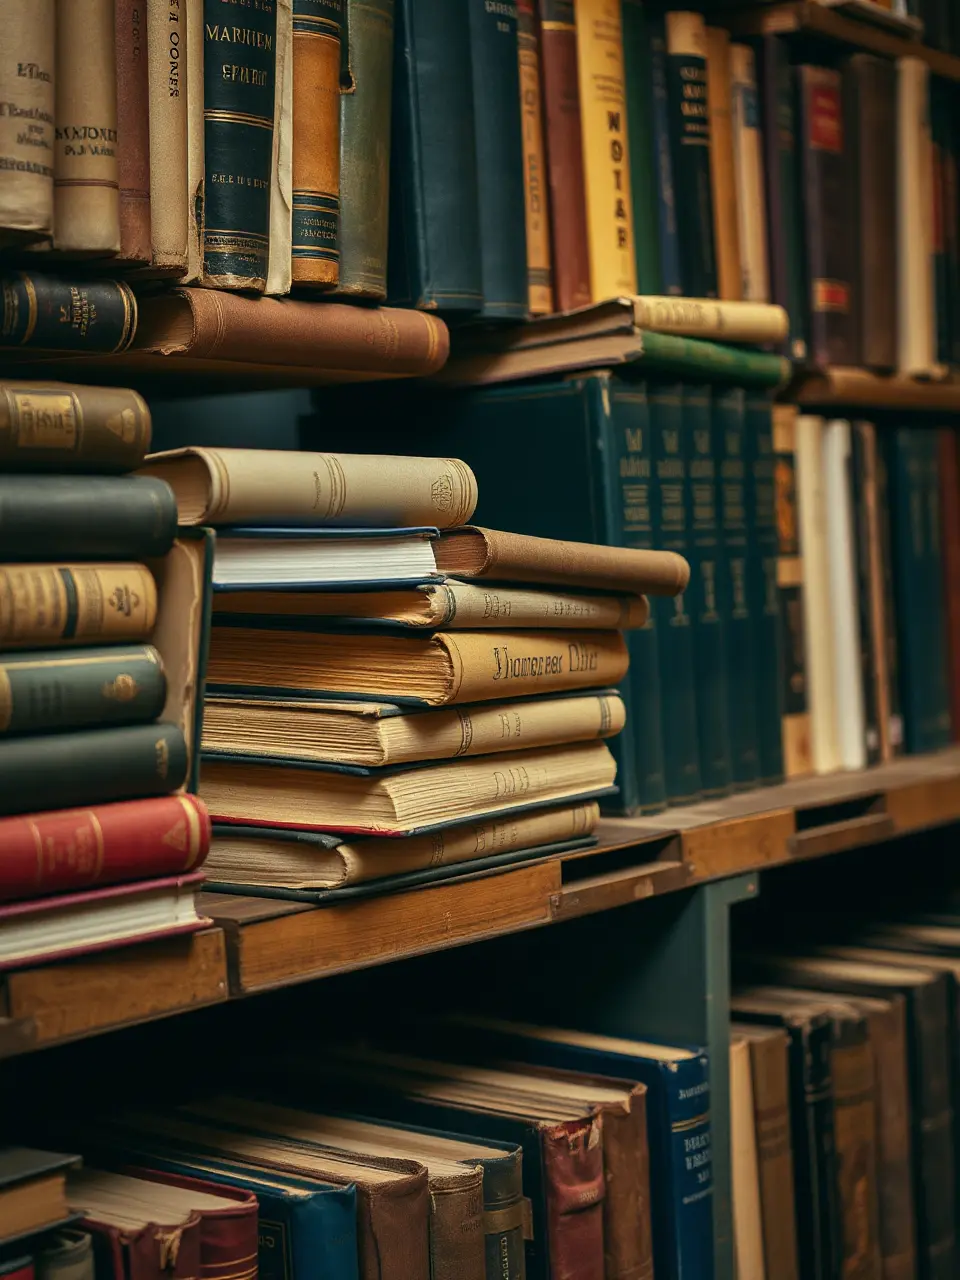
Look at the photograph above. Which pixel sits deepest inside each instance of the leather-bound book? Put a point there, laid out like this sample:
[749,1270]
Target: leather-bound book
[744,1164]
[723,185]
[167,53]
[870,88]
[916,312]
[133,131]
[535,189]
[317,27]
[869,592]
[26,195]
[57,314]
[365,150]
[86,187]
[644,186]
[949,470]
[51,426]
[561,109]
[193,29]
[75,604]
[826,190]
[797,751]
[893,744]
[32,1191]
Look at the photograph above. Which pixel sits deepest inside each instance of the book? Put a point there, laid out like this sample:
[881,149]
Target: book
[749,175]
[133,132]
[606,150]
[317,33]
[644,188]
[66,1255]
[916,337]
[940,108]
[722,167]
[891,742]
[434,239]
[446,668]
[167,67]
[54,518]
[565,171]
[280,250]
[56,427]
[72,849]
[196,128]
[72,924]
[825,190]
[797,757]
[205,330]
[686,67]
[51,313]
[26,199]
[75,604]
[869,590]
[365,138]
[377,735]
[769,1049]
[85,185]
[311,861]
[32,1191]
[279,487]
[18,1269]
[91,766]
[745,1169]
[258,559]
[762,568]
[404,801]
[870,86]
[656,41]
[446,604]
[949,469]
[535,188]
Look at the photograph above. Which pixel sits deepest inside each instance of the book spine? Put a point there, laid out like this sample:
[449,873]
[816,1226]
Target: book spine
[891,644]
[627,1222]
[503,1213]
[133,131]
[193,30]
[66,315]
[727,425]
[643,184]
[748,167]
[68,850]
[939,136]
[317,35]
[484,665]
[784,220]
[797,758]
[671,522]
[686,65]
[365,124]
[606,155]
[91,767]
[709,632]
[937,727]
[854,1109]
[280,250]
[44,691]
[869,590]
[86,189]
[932,1131]
[825,187]
[695,359]
[572,1155]
[561,107]
[888,1038]
[950,518]
[456,1228]
[813,1132]
[494,52]
[27,125]
[59,428]
[915,299]
[737,322]
[167,59]
[539,269]
[239,84]
[725,208]
[687,1105]
[663,159]
[771,1104]
[762,582]
[43,604]
[951,195]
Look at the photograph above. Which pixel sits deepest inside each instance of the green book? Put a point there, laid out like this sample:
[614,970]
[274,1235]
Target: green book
[643,181]
[695,359]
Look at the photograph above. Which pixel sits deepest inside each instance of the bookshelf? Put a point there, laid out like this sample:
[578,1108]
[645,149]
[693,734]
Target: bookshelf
[861,389]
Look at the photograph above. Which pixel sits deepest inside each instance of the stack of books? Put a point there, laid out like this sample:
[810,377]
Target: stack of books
[380,669]
[102,607]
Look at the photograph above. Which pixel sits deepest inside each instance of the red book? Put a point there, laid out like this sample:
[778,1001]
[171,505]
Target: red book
[69,849]
[950,533]
[573,1184]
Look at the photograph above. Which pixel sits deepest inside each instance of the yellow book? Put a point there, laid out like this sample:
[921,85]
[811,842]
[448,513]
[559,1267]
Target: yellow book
[606,162]
[725,216]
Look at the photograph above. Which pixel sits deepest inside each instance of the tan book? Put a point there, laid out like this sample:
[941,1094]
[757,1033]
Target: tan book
[167,54]
[86,181]
[279,267]
[749,178]
[444,669]
[47,604]
[26,124]
[133,132]
[376,734]
[722,179]
[745,1174]
[450,605]
[195,141]
[302,862]
[408,800]
[916,310]
[266,486]
[473,552]
[539,261]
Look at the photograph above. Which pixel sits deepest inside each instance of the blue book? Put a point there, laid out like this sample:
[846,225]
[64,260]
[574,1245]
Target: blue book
[670,273]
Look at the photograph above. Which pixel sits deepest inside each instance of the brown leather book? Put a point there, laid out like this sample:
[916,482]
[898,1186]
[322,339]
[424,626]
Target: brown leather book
[561,109]
[535,179]
[316,142]
[52,426]
[133,131]
[205,325]
[950,535]
[473,552]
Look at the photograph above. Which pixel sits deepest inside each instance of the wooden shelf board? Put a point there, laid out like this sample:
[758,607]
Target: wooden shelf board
[859,388]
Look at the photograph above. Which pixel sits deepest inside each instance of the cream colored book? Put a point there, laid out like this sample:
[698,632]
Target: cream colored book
[818,631]
[195,142]
[745,1171]
[131,1204]
[376,734]
[167,62]
[302,861]
[450,605]
[445,668]
[748,171]
[409,800]
[285,487]
[722,173]
[27,121]
[279,260]
[916,307]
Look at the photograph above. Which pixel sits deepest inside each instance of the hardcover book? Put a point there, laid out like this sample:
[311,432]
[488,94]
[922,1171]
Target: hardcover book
[167,55]
[315,226]
[536,199]
[26,197]
[133,125]
[797,750]
[32,1191]
[56,427]
[252,559]
[644,186]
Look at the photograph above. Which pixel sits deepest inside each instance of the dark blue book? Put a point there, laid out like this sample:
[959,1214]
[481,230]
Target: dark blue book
[670,272]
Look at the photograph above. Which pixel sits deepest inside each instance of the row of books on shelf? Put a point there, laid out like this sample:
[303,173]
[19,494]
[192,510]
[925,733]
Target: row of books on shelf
[473,1145]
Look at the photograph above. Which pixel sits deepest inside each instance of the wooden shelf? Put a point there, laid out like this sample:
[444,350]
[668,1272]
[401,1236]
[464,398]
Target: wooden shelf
[808,18]
[858,388]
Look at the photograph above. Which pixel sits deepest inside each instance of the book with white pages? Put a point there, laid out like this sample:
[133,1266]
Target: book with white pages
[316,559]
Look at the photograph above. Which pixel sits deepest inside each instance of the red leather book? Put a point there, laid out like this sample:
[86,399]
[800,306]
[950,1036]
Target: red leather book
[70,849]
[573,1178]
[561,109]
[133,113]
[950,533]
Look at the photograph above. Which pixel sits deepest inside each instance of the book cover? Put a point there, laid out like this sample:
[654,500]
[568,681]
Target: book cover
[72,429]
[167,60]
[868,565]
[749,174]
[797,750]
[722,169]
[744,1161]
[916,305]
[644,187]
[667,221]
[949,470]
[26,198]
[133,125]
[535,187]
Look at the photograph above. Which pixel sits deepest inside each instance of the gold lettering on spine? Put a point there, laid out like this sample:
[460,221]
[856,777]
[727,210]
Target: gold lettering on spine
[194,830]
[43,419]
